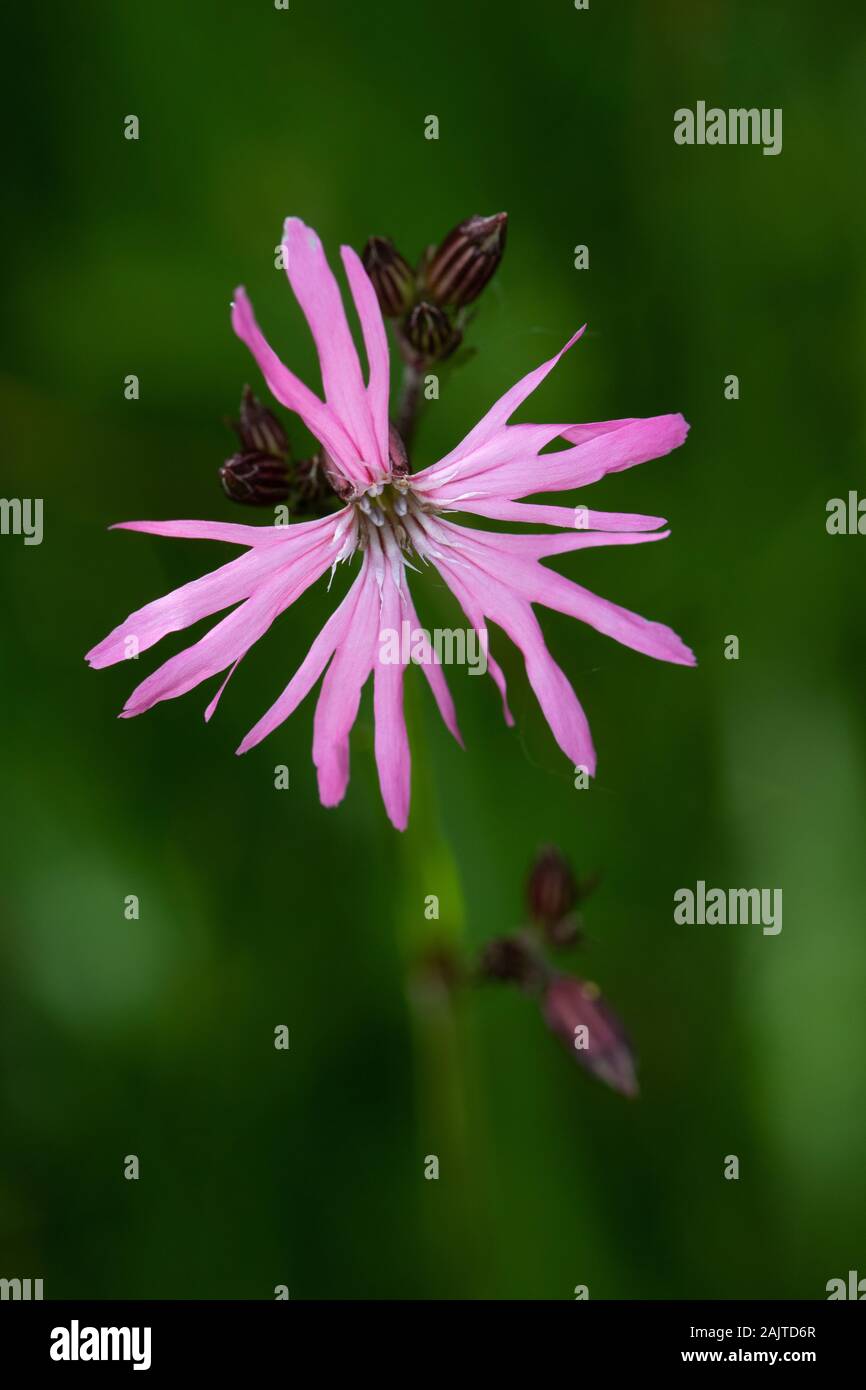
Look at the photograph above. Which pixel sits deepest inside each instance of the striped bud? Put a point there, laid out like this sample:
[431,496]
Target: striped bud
[461,266]
[392,276]
[258,429]
[429,333]
[397,455]
[511,958]
[551,891]
[255,479]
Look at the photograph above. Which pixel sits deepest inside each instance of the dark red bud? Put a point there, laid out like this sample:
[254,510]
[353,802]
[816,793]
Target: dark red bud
[337,480]
[509,958]
[551,890]
[393,278]
[255,479]
[429,333]
[258,429]
[310,493]
[462,264]
[397,455]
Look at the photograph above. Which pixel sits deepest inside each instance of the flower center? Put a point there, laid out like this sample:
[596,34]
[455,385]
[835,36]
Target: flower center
[392,511]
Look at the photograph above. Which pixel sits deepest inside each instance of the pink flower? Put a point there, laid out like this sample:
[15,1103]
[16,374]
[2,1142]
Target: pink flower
[389,516]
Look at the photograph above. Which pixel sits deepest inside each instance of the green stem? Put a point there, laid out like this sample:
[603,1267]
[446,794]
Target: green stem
[432,933]
[409,403]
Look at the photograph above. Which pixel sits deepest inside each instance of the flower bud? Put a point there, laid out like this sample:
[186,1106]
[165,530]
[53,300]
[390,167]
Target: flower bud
[311,490]
[551,890]
[461,266]
[334,476]
[574,1010]
[392,276]
[258,429]
[256,479]
[429,333]
[509,958]
[397,456]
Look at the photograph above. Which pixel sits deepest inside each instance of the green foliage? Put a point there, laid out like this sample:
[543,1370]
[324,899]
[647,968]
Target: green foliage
[154,1036]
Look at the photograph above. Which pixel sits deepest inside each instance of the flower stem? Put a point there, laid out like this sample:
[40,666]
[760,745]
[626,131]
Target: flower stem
[409,403]
[431,914]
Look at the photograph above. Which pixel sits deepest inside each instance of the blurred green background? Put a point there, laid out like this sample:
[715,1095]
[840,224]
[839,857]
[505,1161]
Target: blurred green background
[260,908]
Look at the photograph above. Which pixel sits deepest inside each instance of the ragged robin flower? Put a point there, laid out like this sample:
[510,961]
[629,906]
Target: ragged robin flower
[387,520]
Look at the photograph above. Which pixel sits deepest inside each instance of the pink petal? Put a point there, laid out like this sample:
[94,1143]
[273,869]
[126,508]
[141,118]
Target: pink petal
[612,451]
[213,530]
[633,442]
[581,434]
[314,663]
[376,346]
[630,629]
[285,387]
[532,513]
[210,708]
[536,545]
[340,695]
[391,742]
[183,607]
[476,619]
[559,704]
[318,294]
[435,675]
[510,444]
[501,412]
[233,636]
[501,558]
[212,592]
